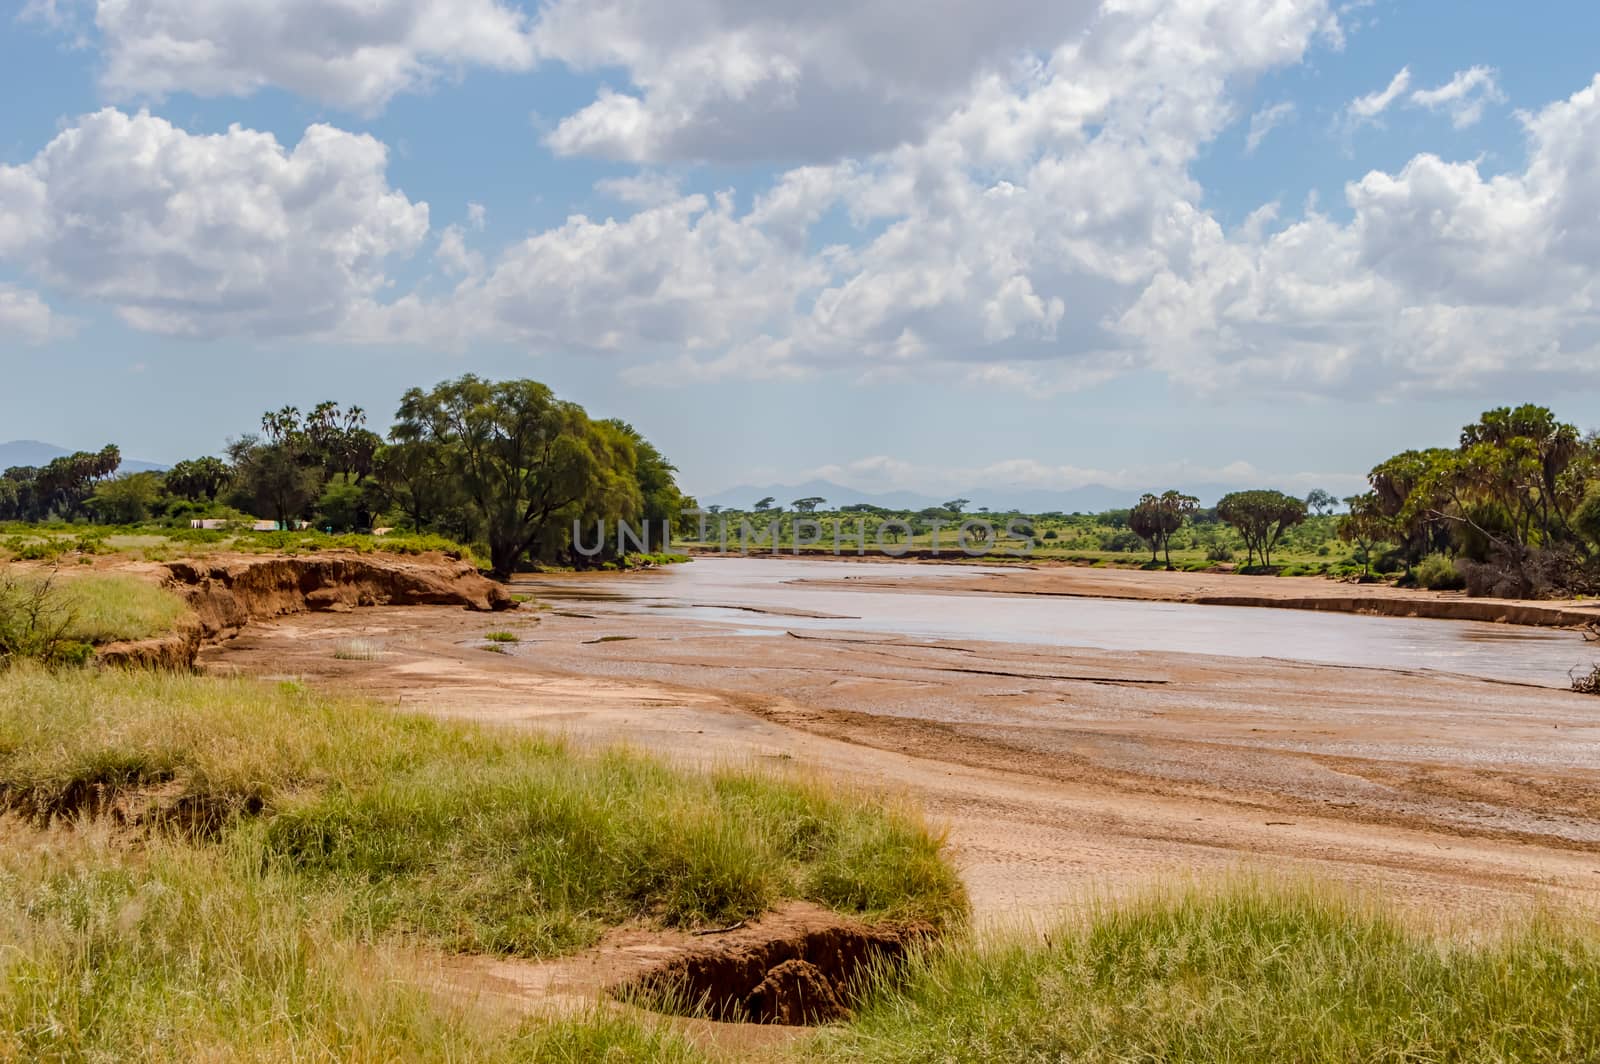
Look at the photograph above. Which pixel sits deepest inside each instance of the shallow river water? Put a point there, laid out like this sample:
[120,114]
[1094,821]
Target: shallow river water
[735,592]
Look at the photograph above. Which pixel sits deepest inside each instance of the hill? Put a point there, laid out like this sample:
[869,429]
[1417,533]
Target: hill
[37,453]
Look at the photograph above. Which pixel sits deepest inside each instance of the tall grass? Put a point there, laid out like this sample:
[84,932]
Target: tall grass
[172,952]
[111,608]
[1249,973]
[467,838]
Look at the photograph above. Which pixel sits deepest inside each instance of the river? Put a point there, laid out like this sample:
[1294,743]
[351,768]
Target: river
[761,597]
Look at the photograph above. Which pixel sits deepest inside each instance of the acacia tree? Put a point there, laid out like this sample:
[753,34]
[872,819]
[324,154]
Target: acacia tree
[1157,517]
[809,504]
[1261,517]
[1322,503]
[1364,527]
[524,460]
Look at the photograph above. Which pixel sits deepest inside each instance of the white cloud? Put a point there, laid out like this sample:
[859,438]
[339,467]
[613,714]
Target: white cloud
[1367,108]
[1465,96]
[355,54]
[208,235]
[1443,280]
[879,473]
[1264,121]
[26,318]
[739,80]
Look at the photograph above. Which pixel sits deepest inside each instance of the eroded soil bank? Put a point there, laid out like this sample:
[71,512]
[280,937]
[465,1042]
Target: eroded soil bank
[225,594]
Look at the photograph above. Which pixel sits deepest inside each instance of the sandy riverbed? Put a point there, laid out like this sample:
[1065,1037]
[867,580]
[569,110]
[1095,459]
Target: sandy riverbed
[1060,773]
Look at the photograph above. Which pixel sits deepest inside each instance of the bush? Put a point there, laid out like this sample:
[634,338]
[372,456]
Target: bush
[1439,573]
[36,623]
[1219,553]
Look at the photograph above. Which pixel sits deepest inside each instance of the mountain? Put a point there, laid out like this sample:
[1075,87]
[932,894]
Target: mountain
[35,453]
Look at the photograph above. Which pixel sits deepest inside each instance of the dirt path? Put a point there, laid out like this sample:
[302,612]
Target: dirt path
[1060,775]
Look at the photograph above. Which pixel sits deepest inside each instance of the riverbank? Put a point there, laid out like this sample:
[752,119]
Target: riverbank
[1227,589]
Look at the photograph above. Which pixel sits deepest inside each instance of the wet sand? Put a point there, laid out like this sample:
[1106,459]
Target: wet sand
[1232,589]
[1059,773]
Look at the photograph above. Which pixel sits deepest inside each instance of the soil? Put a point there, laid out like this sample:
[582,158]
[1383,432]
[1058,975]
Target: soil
[228,592]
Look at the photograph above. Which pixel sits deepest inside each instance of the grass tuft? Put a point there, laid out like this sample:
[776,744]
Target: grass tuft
[1245,973]
[468,838]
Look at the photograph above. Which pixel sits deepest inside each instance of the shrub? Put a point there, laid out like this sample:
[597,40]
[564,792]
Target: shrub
[36,622]
[1219,553]
[1439,573]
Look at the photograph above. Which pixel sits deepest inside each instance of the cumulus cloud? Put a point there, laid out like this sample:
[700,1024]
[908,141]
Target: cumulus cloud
[208,234]
[1464,97]
[1442,280]
[354,55]
[737,80]
[26,318]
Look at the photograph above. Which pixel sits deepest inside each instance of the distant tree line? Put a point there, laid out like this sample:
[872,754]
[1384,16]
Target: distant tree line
[505,464]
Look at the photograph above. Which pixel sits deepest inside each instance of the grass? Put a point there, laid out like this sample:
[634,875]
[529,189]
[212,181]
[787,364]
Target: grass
[112,608]
[357,650]
[454,835]
[1243,974]
[87,608]
[503,637]
[171,952]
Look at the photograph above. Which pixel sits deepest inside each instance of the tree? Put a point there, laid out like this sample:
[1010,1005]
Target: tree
[1156,518]
[126,500]
[198,478]
[765,504]
[808,505]
[415,477]
[1321,503]
[955,506]
[1261,517]
[64,486]
[525,461]
[662,502]
[1364,527]
[274,479]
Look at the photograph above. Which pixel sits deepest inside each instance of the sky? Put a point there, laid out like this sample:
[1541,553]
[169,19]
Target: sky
[922,245]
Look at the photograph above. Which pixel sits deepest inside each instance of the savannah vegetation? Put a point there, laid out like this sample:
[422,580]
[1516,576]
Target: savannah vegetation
[194,868]
[504,468]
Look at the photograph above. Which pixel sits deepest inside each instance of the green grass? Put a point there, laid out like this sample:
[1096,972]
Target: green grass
[503,637]
[466,838]
[1246,974]
[111,608]
[171,952]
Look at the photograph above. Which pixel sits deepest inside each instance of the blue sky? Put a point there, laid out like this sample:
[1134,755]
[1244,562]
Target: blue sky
[924,246]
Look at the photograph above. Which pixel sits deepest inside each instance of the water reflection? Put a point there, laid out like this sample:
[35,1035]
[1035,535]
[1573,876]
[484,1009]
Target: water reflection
[734,591]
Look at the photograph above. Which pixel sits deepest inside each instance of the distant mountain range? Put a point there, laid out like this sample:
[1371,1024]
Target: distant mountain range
[35,453]
[1089,499]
